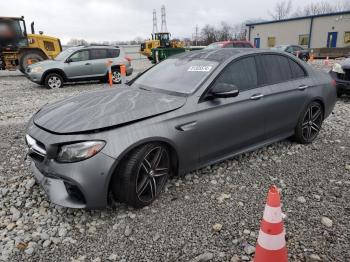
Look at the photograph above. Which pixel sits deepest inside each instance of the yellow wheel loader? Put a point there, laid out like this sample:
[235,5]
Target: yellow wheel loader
[159,40]
[18,49]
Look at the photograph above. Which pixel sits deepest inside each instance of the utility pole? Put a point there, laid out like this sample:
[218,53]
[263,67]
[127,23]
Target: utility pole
[196,35]
[155,25]
[164,28]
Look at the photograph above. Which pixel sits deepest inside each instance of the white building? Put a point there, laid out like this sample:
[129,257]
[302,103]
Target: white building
[317,31]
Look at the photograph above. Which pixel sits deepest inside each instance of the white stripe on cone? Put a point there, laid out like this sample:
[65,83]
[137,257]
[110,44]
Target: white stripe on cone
[272,214]
[272,242]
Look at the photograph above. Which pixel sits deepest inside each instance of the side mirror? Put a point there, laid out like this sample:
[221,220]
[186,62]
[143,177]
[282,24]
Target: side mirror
[68,60]
[224,90]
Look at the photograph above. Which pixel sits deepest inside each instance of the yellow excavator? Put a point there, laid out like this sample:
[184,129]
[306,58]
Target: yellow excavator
[18,49]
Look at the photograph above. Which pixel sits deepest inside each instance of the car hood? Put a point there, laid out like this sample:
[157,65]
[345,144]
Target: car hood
[44,63]
[103,109]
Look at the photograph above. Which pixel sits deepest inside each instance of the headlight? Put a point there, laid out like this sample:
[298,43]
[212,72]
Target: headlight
[37,69]
[79,151]
[338,69]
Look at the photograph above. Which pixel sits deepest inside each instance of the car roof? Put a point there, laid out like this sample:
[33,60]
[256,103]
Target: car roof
[219,55]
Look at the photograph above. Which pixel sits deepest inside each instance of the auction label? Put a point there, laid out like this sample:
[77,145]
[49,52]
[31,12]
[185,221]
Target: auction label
[200,68]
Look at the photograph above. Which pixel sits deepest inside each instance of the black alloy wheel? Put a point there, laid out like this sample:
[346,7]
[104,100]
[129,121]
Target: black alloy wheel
[142,175]
[153,173]
[310,124]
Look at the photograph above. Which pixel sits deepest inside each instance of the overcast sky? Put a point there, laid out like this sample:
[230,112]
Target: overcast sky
[116,20]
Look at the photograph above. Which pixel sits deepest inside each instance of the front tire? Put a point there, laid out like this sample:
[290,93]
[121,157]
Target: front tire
[34,56]
[53,81]
[142,175]
[309,123]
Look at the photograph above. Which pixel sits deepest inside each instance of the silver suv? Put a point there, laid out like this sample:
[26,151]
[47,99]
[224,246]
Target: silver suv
[82,63]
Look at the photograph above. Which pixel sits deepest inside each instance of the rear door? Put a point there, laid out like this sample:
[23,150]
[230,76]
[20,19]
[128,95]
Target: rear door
[78,66]
[288,83]
[98,60]
[227,125]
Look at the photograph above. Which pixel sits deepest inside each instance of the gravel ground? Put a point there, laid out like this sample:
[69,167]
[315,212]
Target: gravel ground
[210,214]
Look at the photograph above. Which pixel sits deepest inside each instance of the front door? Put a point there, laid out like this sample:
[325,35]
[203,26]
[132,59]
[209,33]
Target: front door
[227,125]
[78,65]
[332,39]
[257,42]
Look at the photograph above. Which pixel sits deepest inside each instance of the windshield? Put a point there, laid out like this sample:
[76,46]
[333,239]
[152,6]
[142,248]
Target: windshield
[177,75]
[64,54]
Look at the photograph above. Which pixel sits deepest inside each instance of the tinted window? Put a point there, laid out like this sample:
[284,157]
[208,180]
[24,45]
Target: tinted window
[113,53]
[241,45]
[274,69]
[230,45]
[297,70]
[80,56]
[241,73]
[98,53]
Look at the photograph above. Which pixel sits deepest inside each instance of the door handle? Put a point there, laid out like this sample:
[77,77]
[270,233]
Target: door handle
[87,64]
[302,87]
[256,96]
[187,126]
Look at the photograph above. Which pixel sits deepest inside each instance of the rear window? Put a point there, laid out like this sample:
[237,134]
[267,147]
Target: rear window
[274,69]
[112,53]
[98,53]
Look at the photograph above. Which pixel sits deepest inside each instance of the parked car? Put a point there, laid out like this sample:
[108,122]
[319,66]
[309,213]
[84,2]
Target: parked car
[296,50]
[82,63]
[230,44]
[128,141]
[341,74]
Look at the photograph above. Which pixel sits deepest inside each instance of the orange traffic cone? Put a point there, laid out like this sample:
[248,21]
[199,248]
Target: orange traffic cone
[326,62]
[271,244]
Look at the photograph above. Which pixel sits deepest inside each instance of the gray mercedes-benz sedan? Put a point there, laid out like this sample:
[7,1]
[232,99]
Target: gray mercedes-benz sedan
[189,111]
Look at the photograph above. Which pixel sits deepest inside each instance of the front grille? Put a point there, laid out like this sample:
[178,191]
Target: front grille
[36,149]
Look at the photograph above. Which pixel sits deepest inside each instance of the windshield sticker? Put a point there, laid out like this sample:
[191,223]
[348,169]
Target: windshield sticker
[200,68]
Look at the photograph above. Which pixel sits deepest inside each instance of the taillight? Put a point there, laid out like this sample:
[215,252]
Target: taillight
[334,83]
[127,58]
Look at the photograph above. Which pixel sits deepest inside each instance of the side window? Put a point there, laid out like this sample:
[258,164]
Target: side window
[112,53]
[289,49]
[297,70]
[241,73]
[274,69]
[230,45]
[80,56]
[98,53]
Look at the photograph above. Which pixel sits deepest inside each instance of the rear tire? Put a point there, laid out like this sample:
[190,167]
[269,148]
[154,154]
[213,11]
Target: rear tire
[53,81]
[142,175]
[309,123]
[33,55]
[116,76]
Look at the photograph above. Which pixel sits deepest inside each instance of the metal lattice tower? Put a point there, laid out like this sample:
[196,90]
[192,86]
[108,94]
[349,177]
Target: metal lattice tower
[164,28]
[155,24]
